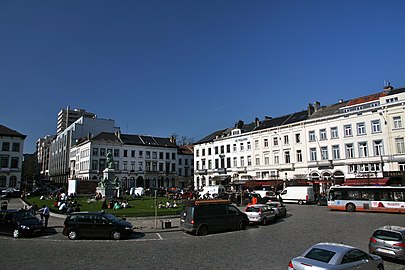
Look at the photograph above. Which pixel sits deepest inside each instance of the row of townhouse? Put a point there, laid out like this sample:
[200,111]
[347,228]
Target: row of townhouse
[11,158]
[356,141]
[139,161]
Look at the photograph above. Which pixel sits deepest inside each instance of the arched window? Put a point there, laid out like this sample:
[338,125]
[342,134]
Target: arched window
[3,181]
[13,181]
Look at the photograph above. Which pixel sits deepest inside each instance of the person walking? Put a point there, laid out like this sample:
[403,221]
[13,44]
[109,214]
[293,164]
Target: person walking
[45,213]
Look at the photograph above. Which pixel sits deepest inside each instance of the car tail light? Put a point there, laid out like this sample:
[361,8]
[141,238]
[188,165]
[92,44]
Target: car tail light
[290,265]
[399,245]
[372,240]
[306,197]
[192,221]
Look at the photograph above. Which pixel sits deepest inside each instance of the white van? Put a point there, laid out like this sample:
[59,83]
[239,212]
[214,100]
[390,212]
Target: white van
[298,194]
[211,191]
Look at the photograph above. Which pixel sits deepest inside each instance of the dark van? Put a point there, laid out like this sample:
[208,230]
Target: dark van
[95,224]
[203,217]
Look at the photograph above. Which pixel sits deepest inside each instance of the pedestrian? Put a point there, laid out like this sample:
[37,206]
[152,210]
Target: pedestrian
[45,214]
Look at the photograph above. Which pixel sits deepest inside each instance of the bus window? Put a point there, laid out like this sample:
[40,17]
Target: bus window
[399,196]
[354,195]
[367,195]
[387,196]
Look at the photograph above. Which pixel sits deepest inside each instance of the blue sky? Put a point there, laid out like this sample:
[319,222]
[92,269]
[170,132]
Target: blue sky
[190,67]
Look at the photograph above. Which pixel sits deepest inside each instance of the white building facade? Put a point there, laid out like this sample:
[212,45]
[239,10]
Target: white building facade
[11,157]
[360,140]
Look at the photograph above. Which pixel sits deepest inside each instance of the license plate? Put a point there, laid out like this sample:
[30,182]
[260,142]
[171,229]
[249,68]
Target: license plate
[385,251]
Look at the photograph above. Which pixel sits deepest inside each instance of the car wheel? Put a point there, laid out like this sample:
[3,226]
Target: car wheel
[16,233]
[380,267]
[242,225]
[202,230]
[72,235]
[300,202]
[350,207]
[116,235]
[264,222]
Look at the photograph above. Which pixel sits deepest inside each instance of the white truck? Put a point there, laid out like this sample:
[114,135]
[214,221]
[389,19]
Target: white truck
[211,191]
[298,194]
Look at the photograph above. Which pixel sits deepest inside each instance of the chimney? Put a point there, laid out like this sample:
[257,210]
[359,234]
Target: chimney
[317,105]
[387,87]
[310,109]
[173,139]
[239,124]
[257,122]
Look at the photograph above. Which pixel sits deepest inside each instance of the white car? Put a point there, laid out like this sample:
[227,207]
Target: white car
[260,213]
[334,256]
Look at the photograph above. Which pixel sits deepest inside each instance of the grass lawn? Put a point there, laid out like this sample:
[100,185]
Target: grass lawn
[140,207]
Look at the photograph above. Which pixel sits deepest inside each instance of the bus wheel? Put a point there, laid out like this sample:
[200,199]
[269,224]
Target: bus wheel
[350,207]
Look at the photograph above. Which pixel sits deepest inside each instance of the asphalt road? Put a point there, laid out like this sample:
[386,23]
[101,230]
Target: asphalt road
[258,247]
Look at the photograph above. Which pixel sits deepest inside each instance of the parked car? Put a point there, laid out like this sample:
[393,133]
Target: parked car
[95,224]
[388,241]
[203,217]
[19,223]
[10,193]
[279,208]
[260,213]
[337,257]
[266,199]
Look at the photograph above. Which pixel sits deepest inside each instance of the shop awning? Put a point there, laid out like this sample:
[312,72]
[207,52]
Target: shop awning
[366,182]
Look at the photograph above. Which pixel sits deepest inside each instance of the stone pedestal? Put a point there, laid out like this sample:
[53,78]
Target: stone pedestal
[109,190]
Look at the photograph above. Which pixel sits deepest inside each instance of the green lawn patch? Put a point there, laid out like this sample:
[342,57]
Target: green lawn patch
[140,207]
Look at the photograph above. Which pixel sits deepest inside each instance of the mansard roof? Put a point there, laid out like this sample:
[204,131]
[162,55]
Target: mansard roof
[5,131]
[283,120]
[134,139]
[186,150]
[329,110]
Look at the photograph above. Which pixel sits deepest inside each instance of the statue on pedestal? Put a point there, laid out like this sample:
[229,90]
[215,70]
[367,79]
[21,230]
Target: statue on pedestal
[110,161]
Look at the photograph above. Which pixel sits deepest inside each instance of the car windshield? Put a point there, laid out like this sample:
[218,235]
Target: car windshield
[111,217]
[22,215]
[321,255]
[252,209]
[387,235]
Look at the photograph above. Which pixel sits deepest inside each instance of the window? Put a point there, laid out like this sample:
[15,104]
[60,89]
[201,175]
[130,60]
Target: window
[248,146]
[400,143]
[95,151]
[228,148]
[249,161]
[209,151]
[209,164]
[375,126]
[203,152]
[124,165]
[125,153]
[216,150]
[298,138]
[266,160]
[348,130]
[116,152]
[4,162]
[322,134]
[266,142]
[256,144]
[14,163]
[235,162]
[141,154]
[133,153]
[242,147]
[334,133]
[16,147]
[349,150]
[299,156]
[154,155]
[6,146]
[363,152]
[173,156]
[276,158]
[235,148]
[222,149]
[335,152]
[378,150]
[312,154]
[361,129]
[287,157]
[242,161]
[102,152]
[94,165]
[286,139]
[324,153]
[275,141]
[257,160]
[147,154]
[397,122]
[312,137]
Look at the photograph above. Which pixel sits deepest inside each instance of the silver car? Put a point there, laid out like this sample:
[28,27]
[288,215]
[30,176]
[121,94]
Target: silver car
[337,257]
[260,213]
[388,241]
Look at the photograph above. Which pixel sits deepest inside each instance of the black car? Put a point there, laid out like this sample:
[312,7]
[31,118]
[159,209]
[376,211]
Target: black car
[96,224]
[19,223]
[204,216]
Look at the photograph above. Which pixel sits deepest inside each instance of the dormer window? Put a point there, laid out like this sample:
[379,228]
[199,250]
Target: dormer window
[235,132]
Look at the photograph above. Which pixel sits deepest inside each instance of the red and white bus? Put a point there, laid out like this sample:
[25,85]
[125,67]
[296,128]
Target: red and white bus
[367,198]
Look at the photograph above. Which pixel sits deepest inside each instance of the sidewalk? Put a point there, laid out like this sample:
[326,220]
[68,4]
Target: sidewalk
[141,224]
